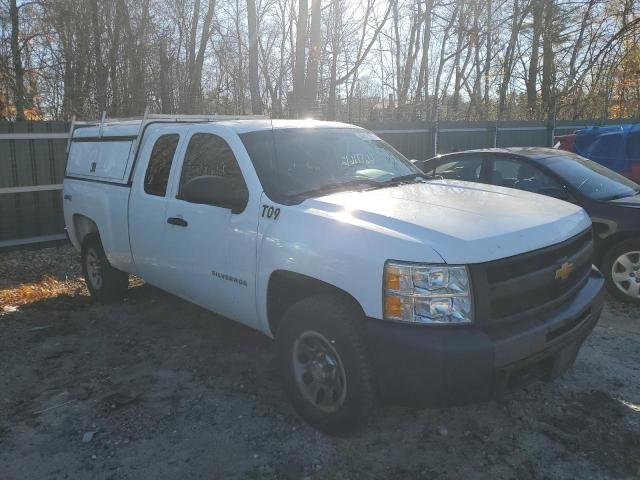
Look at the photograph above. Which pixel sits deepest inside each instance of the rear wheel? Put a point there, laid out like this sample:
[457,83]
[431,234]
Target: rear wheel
[104,282]
[323,362]
[621,267]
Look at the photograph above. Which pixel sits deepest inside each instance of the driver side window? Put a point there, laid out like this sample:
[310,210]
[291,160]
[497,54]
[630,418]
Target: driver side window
[210,155]
[462,168]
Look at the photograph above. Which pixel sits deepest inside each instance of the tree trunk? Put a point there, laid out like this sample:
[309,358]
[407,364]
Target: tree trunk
[195,92]
[487,66]
[137,59]
[441,62]
[165,85]
[422,89]
[532,76]
[300,60]
[548,58]
[314,56]
[411,55]
[457,83]
[335,41]
[254,87]
[113,60]
[101,78]
[507,68]
[18,70]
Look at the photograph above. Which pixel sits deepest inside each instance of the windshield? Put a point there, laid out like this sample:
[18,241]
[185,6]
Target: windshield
[592,179]
[303,162]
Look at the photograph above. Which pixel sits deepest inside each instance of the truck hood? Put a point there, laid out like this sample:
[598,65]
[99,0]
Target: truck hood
[463,222]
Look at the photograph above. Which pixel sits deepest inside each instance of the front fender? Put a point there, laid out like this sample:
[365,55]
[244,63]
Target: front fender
[335,248]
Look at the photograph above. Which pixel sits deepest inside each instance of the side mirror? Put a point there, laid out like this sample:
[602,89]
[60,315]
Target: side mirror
[222,192]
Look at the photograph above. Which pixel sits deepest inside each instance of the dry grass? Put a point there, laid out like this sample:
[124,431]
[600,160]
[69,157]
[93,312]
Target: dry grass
[46,288]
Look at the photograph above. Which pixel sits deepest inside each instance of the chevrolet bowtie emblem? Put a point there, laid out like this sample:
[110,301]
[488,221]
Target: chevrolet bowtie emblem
[564,271]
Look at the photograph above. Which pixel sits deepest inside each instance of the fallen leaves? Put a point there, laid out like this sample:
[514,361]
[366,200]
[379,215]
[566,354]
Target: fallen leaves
[47,287]
[32,275]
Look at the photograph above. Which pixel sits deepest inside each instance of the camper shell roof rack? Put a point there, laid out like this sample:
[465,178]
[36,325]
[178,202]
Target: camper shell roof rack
[141,122]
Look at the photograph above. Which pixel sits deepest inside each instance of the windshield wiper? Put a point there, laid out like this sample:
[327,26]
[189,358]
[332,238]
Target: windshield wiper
[335,187]
[404,179]
[358,184]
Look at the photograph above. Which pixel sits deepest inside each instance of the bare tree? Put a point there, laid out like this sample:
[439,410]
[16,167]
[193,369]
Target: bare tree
[446,59]
[300,59]
[254,86]
[311,85]
[18,71]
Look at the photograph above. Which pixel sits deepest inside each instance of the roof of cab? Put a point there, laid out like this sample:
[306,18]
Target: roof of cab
[538,154]
[130,128]
[531,152]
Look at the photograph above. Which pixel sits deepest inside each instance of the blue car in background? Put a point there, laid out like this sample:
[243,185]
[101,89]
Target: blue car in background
[615,146]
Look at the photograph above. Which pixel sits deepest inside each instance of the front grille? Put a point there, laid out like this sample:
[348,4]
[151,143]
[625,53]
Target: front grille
[526,284]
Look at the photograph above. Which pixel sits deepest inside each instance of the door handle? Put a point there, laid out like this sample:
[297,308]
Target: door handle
[180,222]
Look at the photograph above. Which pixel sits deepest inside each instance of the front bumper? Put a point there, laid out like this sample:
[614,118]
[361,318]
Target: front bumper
[452,365]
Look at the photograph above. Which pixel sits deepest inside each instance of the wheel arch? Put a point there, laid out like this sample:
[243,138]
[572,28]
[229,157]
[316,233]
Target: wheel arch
[286,288]
[611,242]
[82,226]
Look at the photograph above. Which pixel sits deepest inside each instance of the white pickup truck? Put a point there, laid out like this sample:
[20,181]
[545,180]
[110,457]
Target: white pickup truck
[375,280]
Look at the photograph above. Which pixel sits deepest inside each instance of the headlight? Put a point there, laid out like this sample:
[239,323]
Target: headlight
[430,294]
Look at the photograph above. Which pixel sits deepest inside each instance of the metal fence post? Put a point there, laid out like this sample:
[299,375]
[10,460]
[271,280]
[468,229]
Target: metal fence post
[435,138]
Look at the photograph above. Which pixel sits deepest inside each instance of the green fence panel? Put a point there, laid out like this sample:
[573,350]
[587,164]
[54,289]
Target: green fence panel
[37,161]
[25,161]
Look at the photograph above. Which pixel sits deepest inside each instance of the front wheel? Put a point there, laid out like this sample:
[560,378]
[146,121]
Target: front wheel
[104,282]
[621,267]
[324,364]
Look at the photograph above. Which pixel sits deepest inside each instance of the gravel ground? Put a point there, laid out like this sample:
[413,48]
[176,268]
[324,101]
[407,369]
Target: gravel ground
[153,387]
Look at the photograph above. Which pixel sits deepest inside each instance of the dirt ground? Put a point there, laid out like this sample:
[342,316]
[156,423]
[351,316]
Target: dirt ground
[155,388]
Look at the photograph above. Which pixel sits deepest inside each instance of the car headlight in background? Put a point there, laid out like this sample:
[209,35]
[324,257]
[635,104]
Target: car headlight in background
[429,294]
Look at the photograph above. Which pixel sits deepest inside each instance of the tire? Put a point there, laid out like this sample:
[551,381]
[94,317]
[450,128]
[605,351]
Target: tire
[621,268]
[105,283]
[318,342]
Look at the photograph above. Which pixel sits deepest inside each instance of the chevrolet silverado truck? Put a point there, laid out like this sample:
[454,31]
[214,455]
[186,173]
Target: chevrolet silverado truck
[376,281]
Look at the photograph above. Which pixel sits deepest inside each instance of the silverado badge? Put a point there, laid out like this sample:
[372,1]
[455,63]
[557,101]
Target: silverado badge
[564,271]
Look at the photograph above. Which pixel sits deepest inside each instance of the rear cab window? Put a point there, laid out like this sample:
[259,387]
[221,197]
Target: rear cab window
[157,176]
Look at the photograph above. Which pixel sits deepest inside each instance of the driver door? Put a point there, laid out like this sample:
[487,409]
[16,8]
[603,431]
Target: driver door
[214,249]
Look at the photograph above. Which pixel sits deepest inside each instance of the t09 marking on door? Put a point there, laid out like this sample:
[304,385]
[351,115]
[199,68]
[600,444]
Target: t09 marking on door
[270,212]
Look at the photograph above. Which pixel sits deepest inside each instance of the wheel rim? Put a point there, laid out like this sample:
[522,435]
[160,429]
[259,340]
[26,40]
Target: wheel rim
[625,273]
[319,372]
[94,269]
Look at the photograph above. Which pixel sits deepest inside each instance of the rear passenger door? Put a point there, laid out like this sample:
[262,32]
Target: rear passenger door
[213,250]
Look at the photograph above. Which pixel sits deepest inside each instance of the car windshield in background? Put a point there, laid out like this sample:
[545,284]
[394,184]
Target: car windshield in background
[296,163]
[591,178]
